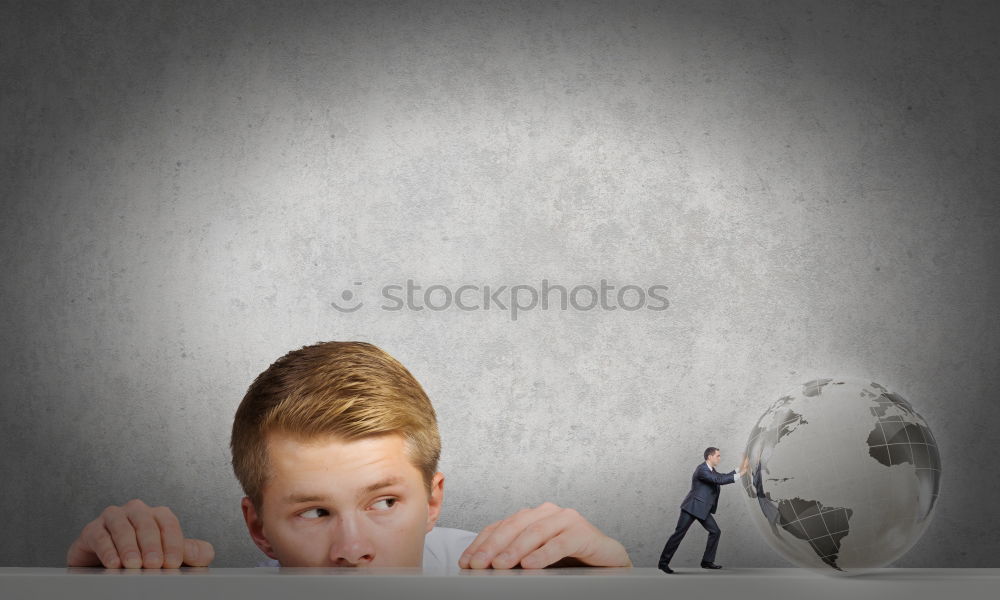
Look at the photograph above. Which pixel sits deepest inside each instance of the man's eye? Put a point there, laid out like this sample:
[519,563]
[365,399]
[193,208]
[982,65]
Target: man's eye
[384,504]
[313,513]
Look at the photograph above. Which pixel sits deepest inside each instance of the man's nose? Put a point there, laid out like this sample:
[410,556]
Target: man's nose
[352,544]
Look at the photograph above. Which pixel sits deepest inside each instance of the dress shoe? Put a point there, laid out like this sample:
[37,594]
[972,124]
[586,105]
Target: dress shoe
[710,565]
[666,569]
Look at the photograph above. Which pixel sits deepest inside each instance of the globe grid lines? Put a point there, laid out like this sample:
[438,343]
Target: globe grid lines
[922,453]
[800,524]
[827,546]
[779,430]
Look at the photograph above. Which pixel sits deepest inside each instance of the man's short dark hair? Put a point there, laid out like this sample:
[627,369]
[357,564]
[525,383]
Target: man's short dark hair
[710,451]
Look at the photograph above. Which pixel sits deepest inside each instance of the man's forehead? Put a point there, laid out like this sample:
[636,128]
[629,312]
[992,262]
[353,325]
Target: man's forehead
[307,466]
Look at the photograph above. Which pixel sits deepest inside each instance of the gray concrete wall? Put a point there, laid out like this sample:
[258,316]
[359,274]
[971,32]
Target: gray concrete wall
[187,188]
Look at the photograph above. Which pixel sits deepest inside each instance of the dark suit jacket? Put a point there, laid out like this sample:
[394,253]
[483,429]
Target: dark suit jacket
[703,498]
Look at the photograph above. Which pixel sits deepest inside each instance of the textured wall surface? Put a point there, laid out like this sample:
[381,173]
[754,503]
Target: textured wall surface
[187,190]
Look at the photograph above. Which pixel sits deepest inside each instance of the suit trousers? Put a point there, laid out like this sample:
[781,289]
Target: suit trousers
[683,523]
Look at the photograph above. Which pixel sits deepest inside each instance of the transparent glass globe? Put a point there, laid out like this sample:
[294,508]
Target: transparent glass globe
[843,475]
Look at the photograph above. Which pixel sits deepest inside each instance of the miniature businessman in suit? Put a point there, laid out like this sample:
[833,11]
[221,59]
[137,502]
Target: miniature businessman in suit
[699,505]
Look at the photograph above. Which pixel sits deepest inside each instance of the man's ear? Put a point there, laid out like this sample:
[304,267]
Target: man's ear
[435,500]
[256,527]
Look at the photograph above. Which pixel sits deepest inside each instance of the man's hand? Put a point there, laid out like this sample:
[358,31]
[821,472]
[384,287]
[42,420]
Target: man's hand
[134,536]
[538,537]
[744,465]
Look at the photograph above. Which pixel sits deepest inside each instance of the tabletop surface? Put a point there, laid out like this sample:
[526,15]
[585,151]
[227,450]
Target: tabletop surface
[579,583]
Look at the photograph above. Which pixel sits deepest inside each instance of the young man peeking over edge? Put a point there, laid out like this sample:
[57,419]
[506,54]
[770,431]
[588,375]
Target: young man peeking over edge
[336,446]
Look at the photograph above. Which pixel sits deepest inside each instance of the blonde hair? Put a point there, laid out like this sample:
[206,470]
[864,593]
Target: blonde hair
[349,389]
